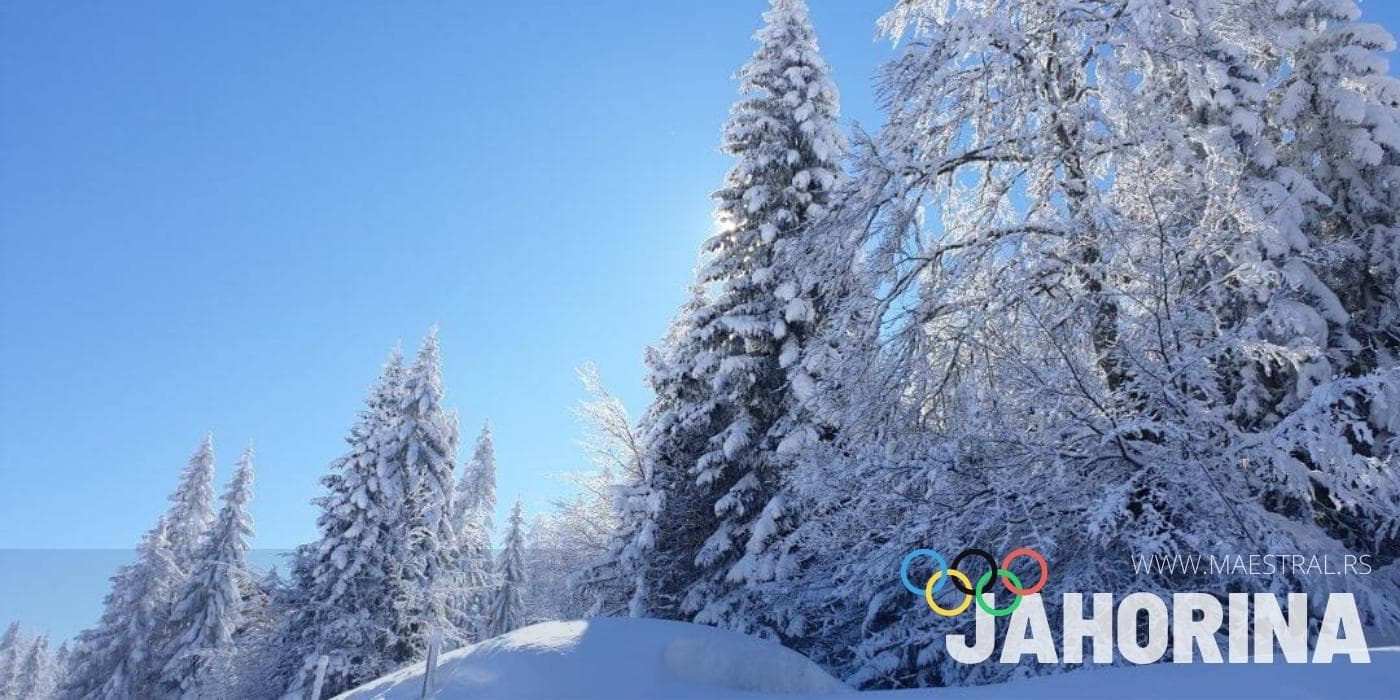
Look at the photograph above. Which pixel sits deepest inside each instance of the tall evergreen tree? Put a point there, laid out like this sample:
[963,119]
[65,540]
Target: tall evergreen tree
[423,441]
[192,506]
[369,593]
[507,609]
[734,441]
[340,607]
[116,659]
[208,610]
[1332,112]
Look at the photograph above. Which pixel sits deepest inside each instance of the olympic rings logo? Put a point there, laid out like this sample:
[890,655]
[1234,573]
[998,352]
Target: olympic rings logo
[964,584]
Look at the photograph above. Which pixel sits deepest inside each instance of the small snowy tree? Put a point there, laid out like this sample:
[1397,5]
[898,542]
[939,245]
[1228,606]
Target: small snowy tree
[10,657]
[507,609]
[576,536]
[476,490]
[472,505]
[208,611]
[116,659]
[192,506]
[36,674]
[58,669]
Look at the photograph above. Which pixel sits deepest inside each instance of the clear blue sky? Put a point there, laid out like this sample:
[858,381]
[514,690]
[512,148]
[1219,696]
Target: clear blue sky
[221,216]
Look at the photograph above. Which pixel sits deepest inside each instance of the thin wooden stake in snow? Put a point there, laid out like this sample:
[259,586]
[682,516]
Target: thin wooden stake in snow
[434,646]
[321,664]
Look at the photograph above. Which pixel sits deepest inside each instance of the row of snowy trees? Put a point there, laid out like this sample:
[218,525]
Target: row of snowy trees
[405,550]
[405,544]
[174,610]
[28,669]
[1115,277]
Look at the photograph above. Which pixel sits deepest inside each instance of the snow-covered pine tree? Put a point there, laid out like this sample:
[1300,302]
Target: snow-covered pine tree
[423,442]
[1332,111]
[192,506]
[208,609]
[121,657]
[58,669]
[507,611]
[36,674]
[749,334]
[116,659]
[12,648]
[337,602]
[472,506]
[476,490]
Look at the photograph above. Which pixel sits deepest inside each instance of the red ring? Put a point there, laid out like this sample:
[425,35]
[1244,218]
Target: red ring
[1039,559]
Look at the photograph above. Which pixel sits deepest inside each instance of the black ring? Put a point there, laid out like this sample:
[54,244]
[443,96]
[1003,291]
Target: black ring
[991,565]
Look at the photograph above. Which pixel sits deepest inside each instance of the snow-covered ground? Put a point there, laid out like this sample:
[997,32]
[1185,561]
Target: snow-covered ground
[623,659]
[613,659]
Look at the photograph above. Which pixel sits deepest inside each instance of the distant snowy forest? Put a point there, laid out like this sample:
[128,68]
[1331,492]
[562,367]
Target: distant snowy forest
[1114,278]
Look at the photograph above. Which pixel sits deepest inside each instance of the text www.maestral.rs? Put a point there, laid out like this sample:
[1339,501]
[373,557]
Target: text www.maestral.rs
[1252,564]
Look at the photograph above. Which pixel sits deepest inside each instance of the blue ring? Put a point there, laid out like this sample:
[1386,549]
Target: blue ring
[909,559]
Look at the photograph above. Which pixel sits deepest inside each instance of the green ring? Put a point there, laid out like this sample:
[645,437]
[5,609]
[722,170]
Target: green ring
[982,583]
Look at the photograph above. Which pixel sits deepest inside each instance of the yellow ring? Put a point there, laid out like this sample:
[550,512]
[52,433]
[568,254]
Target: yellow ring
[928,593]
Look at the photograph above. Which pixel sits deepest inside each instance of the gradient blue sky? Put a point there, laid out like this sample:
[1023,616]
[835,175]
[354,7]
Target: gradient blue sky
[221,215]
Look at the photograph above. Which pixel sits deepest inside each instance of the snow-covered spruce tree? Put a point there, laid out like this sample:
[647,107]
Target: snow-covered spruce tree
[731,445]
[1104,326]
[472,507]
[58,670]
[254,665]
[507,611]
[337,601]
[1333,112]
[192,506]
[12,653]
[476,490]
[116,659]
[35,680]
[423,441]
[208,609]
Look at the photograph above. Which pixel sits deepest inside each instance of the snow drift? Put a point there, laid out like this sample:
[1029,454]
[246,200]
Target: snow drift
[630,659]
[612,659]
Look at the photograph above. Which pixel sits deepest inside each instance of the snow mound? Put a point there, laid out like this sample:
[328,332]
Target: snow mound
[629,659]
[612,659]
